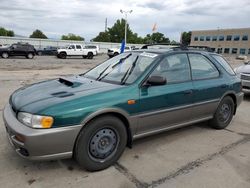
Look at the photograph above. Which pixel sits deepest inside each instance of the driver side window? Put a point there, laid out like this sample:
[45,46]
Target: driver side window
[175,68]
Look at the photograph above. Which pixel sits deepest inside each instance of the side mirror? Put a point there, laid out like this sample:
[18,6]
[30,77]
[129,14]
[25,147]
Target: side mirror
[156,81]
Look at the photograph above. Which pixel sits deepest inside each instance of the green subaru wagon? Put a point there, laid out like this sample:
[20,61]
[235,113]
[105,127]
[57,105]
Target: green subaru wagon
[95,115]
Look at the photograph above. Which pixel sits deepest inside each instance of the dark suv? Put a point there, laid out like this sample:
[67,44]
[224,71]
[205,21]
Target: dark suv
[18,49]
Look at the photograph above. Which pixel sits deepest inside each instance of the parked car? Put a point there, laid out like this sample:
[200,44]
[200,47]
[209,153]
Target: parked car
[18,49]
[95,47]
[116,51]
[76,50]
[95,115]
[243,72]
[50,50]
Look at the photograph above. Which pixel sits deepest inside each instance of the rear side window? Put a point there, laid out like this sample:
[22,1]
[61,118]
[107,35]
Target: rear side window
[175,68]
[224,64]
[202,68]
[78,47]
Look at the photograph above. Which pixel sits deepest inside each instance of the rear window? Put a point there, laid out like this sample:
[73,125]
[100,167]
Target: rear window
[224,64]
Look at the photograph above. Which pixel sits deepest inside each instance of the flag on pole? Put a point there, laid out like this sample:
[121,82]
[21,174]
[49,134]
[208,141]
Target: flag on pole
[154,27]
[122,46]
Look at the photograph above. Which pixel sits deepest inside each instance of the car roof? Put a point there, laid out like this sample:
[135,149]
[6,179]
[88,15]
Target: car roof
[169,50]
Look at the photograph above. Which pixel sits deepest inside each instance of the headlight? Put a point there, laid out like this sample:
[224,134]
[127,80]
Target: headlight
[35,121]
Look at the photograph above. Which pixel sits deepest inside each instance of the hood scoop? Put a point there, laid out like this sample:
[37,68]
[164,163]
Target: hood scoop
[62,94]
[69,83]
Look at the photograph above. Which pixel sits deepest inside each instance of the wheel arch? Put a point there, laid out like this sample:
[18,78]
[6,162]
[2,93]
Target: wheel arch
[231,94]
[63,52]
[120,114]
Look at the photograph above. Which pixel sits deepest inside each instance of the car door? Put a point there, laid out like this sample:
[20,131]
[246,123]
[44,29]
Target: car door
[79,50]
[71,50]
[209,85]
[167,105]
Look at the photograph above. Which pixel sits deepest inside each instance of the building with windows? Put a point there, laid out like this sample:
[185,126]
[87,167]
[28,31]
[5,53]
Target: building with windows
[227,41]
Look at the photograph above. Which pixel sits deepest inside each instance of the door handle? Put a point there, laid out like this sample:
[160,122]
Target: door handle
[188,92]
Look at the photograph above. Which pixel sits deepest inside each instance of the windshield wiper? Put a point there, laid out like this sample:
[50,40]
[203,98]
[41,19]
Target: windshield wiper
[129,71]
[120,61]
[102,72]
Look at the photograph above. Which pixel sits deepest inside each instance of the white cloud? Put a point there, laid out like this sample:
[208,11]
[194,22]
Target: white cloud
[86,18]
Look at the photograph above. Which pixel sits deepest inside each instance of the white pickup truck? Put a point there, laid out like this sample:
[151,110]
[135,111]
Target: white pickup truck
[76,50]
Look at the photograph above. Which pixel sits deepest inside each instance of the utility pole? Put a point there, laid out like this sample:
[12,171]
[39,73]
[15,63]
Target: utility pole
[106,24]
[126,15]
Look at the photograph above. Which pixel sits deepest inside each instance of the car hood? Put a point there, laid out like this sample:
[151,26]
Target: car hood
[243,69]
[42,95]
[4,48]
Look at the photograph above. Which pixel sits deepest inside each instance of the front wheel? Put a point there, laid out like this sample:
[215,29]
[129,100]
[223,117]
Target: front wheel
[63,55]
[223,114]
[101,143]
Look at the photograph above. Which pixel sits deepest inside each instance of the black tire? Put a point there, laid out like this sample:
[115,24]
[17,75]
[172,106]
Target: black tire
[223,114]
[90,55]
[84,56]
[5,55]
[116,53]
[97,132]
[63,55]
[110,56]
[30,55]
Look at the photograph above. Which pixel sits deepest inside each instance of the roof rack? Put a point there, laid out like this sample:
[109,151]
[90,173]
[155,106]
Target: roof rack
[201,48]
[181,47]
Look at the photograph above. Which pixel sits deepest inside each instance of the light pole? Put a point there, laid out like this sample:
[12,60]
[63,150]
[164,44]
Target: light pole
[126,14]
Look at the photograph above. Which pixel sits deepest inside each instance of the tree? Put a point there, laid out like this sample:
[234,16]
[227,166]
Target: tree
[116,34]
[186,38]
[72,36]
[102,37]
[5,32]
[38,34]
[156,38]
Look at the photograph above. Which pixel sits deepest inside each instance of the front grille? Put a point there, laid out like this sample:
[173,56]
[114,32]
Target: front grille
[245,76]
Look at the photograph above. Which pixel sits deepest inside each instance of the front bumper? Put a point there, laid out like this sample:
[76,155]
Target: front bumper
[245,86]
[39,144]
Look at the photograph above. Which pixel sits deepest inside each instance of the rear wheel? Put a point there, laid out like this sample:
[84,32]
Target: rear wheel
[30,56]
[101,143]
[5,55]
[90,55]
[223,114]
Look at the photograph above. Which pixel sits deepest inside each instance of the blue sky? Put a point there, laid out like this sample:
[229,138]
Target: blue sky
[86,18]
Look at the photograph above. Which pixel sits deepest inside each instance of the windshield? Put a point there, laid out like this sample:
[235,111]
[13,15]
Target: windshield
[122,69]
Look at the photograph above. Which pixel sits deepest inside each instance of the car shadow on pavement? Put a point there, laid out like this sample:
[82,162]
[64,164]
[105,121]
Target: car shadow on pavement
[247,97]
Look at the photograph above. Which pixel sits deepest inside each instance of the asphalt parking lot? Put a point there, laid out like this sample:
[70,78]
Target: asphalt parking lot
[194,156]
